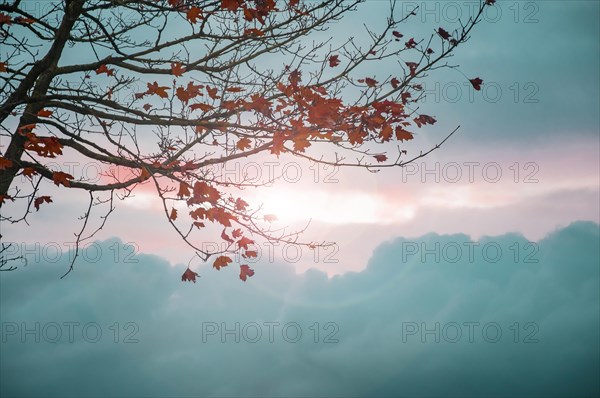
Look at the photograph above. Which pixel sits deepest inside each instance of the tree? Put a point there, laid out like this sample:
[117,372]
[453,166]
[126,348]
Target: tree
[214,81]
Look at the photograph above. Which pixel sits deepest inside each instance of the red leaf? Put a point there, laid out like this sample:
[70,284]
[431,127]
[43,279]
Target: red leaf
[3,67]
[397,34]
[24,21]
[29,172]
[443,33]
[334,61]
[424,119]
[5,163]
[477,82]
[44,113]
[154,88]
[212,92]
[380,158]
[147,107]
[61,178]
[243,144]
[104,69]
[4,197]
[250,254]
[184,190]
[226,237]
[39,200]
[173,215]
[193,14]
[413,67]
[221,261]
[253,32]
[240,204]
[177,69]
[371,82]
[201,106]
[231,5]
[189,275]
[236,233]
[411,43]
[395,82]
[244,242]
[5,19]
[270,217]
[234,89]
[403,135]
[245,272]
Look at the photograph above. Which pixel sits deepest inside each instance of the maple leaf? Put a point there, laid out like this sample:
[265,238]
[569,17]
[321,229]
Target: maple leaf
[62,178]
[240,204]
[250,254]
[295,77]
[395,82]
[380,158]
[253,32]
[244,242]
[29,172]
[221,261]
[245,272]
[193,14]
[39,200]
[154,88]
[411,43]
[177,69]
[104,69]
[204,193]
[189,275]
[5,163]
[184,190]
[243,144]
[397,34]
[173,215]
[443,33]
[236,233]
[413,67]
[234,89]
[212,92]
[231,5]
[403,135]
[430,51]
[270,217]
[424,119]
[44,113]
[47,147]
[386,133]
[334,61]
[201,106]
[147,107]
[226,237]
[370,82]
[477,82]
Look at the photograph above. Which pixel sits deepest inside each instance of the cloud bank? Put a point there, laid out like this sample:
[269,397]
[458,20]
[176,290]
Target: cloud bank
[436,315]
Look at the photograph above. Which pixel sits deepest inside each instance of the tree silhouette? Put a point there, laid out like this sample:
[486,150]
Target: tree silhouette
[159,91]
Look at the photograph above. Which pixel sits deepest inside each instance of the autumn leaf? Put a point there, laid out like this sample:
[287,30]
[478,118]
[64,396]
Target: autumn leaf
[212,92]
[397,34]
[39,200]
[244,242]
[4,197]
[424,119]
[226,237]
[3,67]
[24,21]
[380,158]
[29,172]
[443,33]
[147,107]
[477,82]
[44,113]
[154,88]
[184,190]
[177,69]
[204,193]
[173,215]
[490,2]
[403,135]
[245,272]
[221,261]
[334,61]
[231,5]
[61,178]
[234,89]
[395,83]
[250,254]
[189,275]
[201,106]
[193,14]
[5,19]
[386,133]
[5,163]
[411,43]
[104,69]
[236,233]
[270,217]
[240,204]
[243,144]
[370,82]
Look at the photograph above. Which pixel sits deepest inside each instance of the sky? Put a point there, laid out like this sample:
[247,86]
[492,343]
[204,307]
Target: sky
[495,231]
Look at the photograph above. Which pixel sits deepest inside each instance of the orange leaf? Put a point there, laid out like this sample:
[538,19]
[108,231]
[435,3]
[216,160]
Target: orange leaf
[245,272]
[403,135]
[193,14]
[105,69]
[177,69]
[29,172]
[221,261]
[243,144]
[61,178]
[154,88]
[44,113]
[39,200]
[189,275]
[201,106]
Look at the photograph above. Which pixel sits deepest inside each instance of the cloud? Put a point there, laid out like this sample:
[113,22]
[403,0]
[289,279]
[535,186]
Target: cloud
[424,318]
